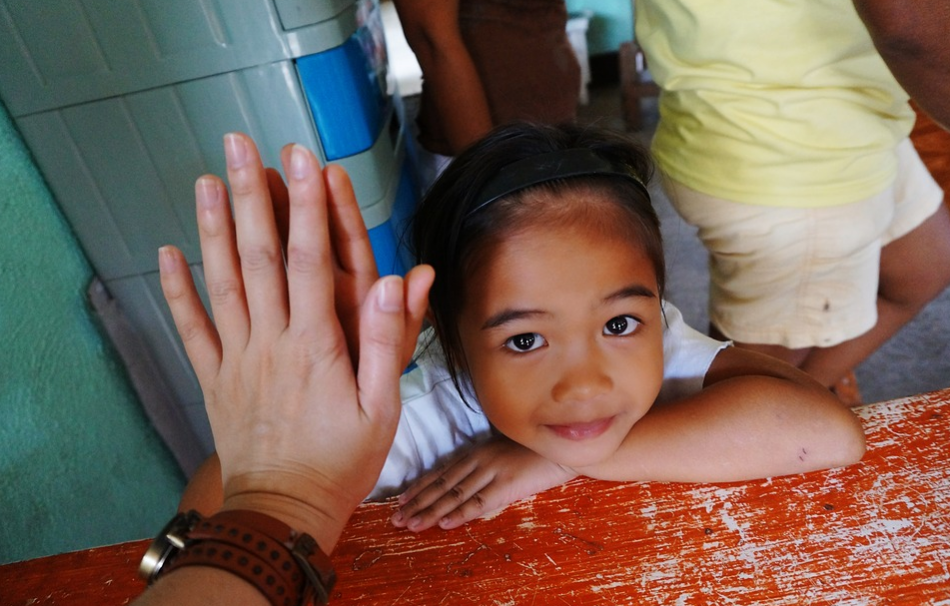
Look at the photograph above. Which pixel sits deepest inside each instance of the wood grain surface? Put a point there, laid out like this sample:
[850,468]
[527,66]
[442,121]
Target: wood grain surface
[875,533]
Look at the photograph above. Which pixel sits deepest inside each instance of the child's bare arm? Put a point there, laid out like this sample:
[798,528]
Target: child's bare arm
[756,417]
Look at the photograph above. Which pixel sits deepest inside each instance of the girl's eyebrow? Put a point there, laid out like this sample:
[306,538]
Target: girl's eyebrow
[509,315]
[631,291]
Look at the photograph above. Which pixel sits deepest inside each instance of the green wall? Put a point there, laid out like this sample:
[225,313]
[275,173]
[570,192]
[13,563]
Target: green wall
[79,463]
[611,23]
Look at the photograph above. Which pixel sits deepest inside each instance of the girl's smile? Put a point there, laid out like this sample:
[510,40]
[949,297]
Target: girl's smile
[582,431]
[562,334]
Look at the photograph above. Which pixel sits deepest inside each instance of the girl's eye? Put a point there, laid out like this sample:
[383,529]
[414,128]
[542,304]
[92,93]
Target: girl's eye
[620,326]
[528,341]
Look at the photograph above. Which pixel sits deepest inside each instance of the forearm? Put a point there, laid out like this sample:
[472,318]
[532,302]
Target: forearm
[741,428]
[200,586]
[455,89]
[914,41]
[452,83]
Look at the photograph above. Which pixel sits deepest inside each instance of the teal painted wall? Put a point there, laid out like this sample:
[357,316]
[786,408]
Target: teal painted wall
[79,463]
[610,25]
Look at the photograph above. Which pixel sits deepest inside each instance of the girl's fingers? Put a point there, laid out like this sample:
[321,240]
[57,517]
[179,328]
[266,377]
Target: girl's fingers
[474,507]
[309,254]
[457,504]
[432,486]
[280,200]
[418,281]
[350,238]
[194,326]
[355,269]
[261,257]
[222,267]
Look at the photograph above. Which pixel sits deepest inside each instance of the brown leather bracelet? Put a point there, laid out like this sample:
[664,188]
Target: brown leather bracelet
[249,566]
[286,566]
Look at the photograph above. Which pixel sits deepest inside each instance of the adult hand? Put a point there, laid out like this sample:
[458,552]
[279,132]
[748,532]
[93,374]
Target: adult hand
[301,431]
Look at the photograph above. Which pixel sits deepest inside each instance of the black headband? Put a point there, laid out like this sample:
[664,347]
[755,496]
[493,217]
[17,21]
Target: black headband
[551,166]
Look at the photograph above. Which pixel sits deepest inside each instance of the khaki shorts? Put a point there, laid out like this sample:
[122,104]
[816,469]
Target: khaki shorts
[803,277]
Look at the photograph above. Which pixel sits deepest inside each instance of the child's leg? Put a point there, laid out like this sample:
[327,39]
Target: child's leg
[785,280]
[747,276]
[914,269]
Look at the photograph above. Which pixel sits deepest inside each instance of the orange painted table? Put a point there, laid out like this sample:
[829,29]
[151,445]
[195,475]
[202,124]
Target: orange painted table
[874,533]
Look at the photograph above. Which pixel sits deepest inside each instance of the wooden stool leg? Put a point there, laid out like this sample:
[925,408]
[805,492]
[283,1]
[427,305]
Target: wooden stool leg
[633,86]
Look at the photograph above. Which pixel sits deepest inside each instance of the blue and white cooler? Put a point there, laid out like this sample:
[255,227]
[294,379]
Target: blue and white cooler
[124,105]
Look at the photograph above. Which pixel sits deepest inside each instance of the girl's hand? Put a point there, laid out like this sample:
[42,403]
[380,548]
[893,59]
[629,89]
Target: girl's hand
[301,430]
[354,270]
[490,476]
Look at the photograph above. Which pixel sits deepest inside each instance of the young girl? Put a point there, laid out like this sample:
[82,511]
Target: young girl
[549,316]
[553,354]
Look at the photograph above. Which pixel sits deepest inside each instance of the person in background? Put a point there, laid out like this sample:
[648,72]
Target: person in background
[783,138]
[299,370]
[486,63]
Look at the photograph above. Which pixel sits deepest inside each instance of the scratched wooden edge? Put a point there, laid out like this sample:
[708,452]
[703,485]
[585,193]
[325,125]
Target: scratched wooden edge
[354,555]
[122,562]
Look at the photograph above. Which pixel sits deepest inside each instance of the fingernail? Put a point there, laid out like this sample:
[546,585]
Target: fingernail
[414,523]
[235,150]
[397,517]
[206,192]
[389,297]
[166,262]
[299,166]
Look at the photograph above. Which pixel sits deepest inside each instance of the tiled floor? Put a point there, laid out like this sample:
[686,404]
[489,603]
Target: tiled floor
[917,359]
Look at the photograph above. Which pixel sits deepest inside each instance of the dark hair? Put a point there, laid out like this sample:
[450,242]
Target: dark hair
[452,239]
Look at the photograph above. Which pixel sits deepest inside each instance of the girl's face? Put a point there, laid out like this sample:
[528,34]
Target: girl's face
[563,336]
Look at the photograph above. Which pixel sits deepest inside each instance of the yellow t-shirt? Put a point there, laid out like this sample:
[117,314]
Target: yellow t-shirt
[772,102]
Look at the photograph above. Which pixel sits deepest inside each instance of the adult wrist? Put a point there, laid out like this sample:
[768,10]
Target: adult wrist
[324,523]
[286,566]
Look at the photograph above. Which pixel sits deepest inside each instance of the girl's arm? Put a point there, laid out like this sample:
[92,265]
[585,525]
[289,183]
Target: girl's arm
[756,417]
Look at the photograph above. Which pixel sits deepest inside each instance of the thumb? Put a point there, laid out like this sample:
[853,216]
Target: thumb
[382,341]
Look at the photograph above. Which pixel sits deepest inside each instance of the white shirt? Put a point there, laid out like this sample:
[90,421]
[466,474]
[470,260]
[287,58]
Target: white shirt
[435,422]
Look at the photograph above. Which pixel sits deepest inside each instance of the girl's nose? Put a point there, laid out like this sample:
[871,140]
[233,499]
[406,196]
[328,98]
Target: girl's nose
[584,379]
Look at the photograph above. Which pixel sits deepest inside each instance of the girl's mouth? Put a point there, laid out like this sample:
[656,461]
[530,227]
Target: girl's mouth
[582,431]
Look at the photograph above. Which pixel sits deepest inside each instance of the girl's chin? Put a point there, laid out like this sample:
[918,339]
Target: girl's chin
[579,455]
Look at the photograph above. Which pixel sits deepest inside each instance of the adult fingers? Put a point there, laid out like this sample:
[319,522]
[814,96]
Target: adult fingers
[195,328]
[262,262]
[382,339]
[309,256]
[222,267]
